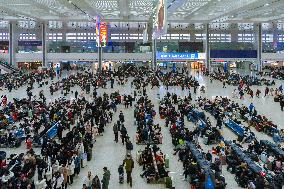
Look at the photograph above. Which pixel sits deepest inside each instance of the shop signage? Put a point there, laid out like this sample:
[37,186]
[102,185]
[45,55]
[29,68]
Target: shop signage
[29,43]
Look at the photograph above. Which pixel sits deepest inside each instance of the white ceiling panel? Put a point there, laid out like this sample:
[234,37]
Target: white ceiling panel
[183,11]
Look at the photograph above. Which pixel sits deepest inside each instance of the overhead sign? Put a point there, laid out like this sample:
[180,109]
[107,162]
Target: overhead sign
[160,19]
[180,56]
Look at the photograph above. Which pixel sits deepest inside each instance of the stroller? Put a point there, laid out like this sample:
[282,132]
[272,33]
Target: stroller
[121,174]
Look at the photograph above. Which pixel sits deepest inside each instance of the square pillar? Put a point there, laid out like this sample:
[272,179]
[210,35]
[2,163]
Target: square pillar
[259,46]
[12,43]
[207,47]
[44,47]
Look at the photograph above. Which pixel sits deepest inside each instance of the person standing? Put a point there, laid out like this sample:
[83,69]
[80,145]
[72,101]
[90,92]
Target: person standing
[111,82]
[282,103]
[76,94]
[266,92]
[251,107]
[96,183]
[257,93]
[123,133]
[89,180]
[106,178]
[64,171]
[115,131]
[251,93]
[224,84]
[128,165]
[129,147]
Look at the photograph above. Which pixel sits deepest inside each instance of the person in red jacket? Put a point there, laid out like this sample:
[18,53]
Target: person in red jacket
[29,143]
[4,101]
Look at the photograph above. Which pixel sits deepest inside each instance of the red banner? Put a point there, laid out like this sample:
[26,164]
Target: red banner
[103,34]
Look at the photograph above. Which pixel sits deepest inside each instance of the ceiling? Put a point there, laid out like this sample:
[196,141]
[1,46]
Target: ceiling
[185,11]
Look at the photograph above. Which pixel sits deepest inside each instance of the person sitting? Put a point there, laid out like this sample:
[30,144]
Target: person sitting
[149,173]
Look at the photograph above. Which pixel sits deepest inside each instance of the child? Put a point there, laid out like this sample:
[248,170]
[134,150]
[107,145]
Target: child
[121,174]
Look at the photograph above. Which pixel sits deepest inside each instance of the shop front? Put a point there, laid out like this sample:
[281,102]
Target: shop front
[29,65]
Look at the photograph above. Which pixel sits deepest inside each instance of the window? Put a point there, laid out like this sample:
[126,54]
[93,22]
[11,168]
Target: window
[27,24]
[200,36]
[124,36]
[184,36]
[220,26]
[220,38]
[75,37]
[198,26]
[54,37]
[91,36]
[174,36]
[55,24]
[245,26]
[27,36]
[280,26]
[248,38]
[267,38]
[4,36]
[280,38]
[4,24]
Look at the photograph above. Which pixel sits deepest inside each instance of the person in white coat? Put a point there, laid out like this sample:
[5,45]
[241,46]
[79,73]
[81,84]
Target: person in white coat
[72,171]
[55,166]
[58,181]
[48,175]
[41,184]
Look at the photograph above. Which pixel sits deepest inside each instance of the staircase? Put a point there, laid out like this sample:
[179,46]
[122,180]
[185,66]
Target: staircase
[7,68]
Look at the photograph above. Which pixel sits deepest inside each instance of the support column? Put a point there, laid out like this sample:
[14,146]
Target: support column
[207,47]
[44,49]
[259,46]
[234,32]
[154,55]
[12,43]
[275,33]
[100,59]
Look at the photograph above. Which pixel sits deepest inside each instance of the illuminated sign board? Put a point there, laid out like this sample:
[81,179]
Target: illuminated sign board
[180,56]
[101,33]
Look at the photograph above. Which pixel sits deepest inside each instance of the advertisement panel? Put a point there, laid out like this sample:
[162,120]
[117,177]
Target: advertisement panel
[160,19]
[103,34]
[98,21]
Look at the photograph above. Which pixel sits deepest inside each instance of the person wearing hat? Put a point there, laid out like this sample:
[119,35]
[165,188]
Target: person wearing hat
[128,165]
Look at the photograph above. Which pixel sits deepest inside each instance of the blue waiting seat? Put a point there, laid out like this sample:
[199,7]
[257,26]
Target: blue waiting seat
[236,128]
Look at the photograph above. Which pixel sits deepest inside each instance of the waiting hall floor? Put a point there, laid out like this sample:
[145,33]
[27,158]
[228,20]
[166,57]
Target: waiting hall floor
[110,154]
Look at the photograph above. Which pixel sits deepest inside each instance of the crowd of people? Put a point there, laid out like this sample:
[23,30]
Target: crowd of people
[64,130]
[15,80]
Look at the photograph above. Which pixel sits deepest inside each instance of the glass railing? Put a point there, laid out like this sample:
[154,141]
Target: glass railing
[233,46]
[90,47]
